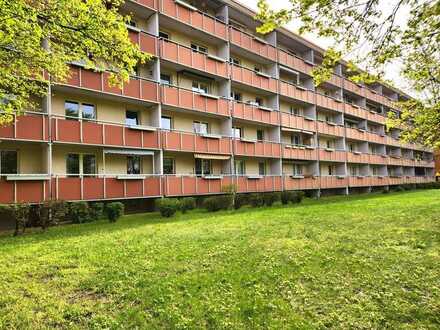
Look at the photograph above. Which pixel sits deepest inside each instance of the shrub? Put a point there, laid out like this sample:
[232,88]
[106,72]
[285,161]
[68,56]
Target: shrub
[241,200]
[217,203]
[256,200]
[292,197]
[385,190]
[398,188]
[114,211]
[96,211]
[271,198]
[79,212]
[51,213]
[187,204]
[167,206]
[21,216]
[286,197]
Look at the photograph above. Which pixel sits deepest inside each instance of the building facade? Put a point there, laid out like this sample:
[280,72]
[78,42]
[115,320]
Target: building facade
[218,105]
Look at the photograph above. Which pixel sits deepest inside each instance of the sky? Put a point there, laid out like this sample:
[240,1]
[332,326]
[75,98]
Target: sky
[392,71]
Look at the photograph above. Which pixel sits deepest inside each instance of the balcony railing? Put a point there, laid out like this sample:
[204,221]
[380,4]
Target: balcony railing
[30,126]
[378,159]
[298,122]
[252,43]
[185,98]
[190,142]
[353,87]
[358,157]
[375,138]
[299,152]
[355,110]
[395,160]
[137,88]
[300,183]
[183,55]
[294,62]
[257,148]
[181,185]
[263,183]
[68,129]
[328,128]
[146,42]
[152,4]
[190,15]
[354,133]
[327,102]
[252,112]
[376,117]
[22,188]
[327,182]
[296,92]
[253,78]
[332,155]
[105,187]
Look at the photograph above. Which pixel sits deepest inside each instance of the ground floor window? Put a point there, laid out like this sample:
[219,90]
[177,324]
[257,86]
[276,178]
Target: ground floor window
[168,166]
[8,162]
[134,164]
[80,164]
[203,166]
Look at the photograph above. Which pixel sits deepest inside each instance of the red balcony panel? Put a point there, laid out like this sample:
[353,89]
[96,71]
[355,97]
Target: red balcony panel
[148,3]
[378,159]
[91,80]
[328,182]
[259,149]
[251,112]
[132,88]
[250,77]
[6,191]
[32,127]
[114,188]
[152,186]
[294,62]
[376,138]
[107,86]
[7,131]
[31,191]
[355,111]
[253,44]
[335,80]
[141,139]
[358,157]
[376,117]
[354,181]
[148,43]
[194,18]
[353,87]
[67,130]
[294,92]
[114,135]
[332,155]
[74,77]
[395,161]
[67,188]
[93,188]
[262,184]
[134,188]
[353,133]
[378,181]
[372,95]
[293,152]
[182,141]
[92,132]
[292,121]
[330,129]
[329,103]
[291,183]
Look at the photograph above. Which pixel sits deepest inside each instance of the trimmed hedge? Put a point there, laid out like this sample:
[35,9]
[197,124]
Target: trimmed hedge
[96,211]
[256,200]
[168,206]
[79,212]
[217,203]
[187,204]
[241,200]
[114,211]
[292,197]
[271,198]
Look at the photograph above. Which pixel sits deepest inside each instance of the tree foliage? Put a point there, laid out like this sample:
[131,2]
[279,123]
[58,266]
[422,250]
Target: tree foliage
[367,31]
[39,38]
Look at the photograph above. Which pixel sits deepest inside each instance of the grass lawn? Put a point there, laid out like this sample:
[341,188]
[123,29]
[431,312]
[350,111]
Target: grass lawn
[357,262]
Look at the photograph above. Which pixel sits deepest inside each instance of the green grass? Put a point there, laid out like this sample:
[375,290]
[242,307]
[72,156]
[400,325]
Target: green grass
[357,262]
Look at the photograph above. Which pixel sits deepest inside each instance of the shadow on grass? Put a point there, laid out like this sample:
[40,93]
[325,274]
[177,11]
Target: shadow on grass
[35,235]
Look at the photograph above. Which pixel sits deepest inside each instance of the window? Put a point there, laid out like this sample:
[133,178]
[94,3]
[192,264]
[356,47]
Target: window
[331,170]
[240,167]
[261,168]
[79,164]
[200,128]
[88,111]
[354,170]
[200,87]
[260,135]
[134,164]
[235,61]
[166,123]
[375,170]
[168,166]
[294,110]
[329,144]
[297,169]
[237,132]
[71,109]
[296,139]
[259,101]
[72,165]
[131,118]
[236,96]
[352,147]
[164,35]
[165,79]
[89,164]
[8,162]
[198,48]
[203,166]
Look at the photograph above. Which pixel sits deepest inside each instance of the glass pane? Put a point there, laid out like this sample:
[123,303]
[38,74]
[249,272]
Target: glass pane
[261,168]
[8,162]
[260,135]
[166,123]
[133,165]
[71,109]
[89,164]
[206,166]
[131,118]
[168,166]
[88,111]
[72,164]
[236,132]
[165,79]
[163,35]
[198,166]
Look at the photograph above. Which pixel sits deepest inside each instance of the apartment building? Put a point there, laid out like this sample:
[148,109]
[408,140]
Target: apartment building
[218,105]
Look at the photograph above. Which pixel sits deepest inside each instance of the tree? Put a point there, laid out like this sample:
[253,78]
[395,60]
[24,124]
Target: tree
[39,38]
[373,39]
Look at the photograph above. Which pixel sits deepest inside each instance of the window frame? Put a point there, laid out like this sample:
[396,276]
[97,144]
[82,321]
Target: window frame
[17,167]
[171,123]
[173,166]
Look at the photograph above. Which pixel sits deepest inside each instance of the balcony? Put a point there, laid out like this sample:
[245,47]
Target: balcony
[378,159]
[24,189]
[252,43]
[354,88]
[294,62]
[104,133]
[31,126]
[255,79]
[105,187]
[332,155]
[151,4]
[395,160]
[257,148]
[147,43]
[328,182]
[299,152]
[392,141]
[420,179]
[297,122]
[296,92]
[137,88]
[358,157]
[193,17]
[252,112]
[375,137]
[300,183]
[354,133]
[331,103]
[355,111]
[359,181]
[329,128]
[183,55]
[335,80]
[396,180]
[246,184]
[190,142]
[181,185]
[184,98]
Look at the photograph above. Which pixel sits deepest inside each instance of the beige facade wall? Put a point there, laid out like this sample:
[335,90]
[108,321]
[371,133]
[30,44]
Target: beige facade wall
[285,107]
[184,163]
[186,40]
[184,121]
[30,157]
